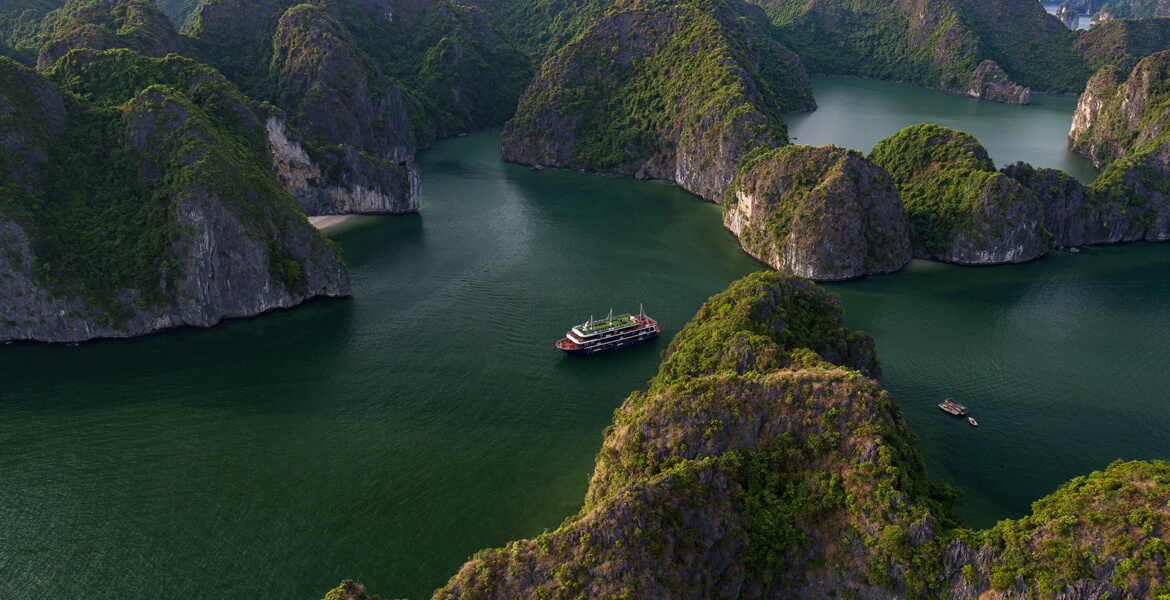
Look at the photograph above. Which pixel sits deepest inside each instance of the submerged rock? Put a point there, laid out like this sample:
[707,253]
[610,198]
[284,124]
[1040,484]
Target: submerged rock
[823,213]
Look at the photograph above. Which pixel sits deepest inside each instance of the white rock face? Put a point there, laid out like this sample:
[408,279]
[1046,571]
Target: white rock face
[368,185]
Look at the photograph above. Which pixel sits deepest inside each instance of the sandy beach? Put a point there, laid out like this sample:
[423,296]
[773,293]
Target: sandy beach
[327,221]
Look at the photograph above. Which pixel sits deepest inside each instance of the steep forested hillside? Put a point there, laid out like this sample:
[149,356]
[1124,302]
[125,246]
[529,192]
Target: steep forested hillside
[180,12]
[960,209]
[935,43]
[137,196]
[678,92]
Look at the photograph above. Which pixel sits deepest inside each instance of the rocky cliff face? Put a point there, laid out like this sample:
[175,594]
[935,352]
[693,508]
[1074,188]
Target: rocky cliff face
[1107,212]
[1118,118]
[363,84]
[960,209]
[989,82]
[755,467]
[179,222]
[667,92]
[823,213]
[360,186]
[364,145]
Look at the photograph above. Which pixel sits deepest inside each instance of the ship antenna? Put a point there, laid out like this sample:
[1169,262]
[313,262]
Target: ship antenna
[641,310]
[610,318]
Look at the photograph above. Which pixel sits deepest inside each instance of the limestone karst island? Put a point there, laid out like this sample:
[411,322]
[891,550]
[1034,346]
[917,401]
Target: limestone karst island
[585,299]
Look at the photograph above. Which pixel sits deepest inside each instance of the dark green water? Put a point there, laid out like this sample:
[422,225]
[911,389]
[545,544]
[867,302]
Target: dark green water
[1063,361]
[389,436]
[383,438]
[858,113]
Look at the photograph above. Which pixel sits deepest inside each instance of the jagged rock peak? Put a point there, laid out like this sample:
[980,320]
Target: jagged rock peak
[824,213]
[1119,116]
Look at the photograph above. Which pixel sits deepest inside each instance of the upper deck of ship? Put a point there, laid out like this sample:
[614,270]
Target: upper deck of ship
[595,327]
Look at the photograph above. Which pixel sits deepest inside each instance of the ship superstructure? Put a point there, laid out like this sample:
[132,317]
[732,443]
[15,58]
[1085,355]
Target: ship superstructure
[600,335]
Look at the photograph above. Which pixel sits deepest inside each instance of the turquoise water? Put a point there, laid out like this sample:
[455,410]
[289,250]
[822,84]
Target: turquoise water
[858,113]
[389,436]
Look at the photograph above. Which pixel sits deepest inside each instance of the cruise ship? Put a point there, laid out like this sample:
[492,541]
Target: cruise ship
[611,332]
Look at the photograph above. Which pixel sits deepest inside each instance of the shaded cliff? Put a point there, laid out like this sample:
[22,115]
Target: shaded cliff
[180,12]
[934,43]
[823,213]
[1121,205]
[364,82]
[667,92]
[138,198]
[758,466]
[960,209]
[357,135]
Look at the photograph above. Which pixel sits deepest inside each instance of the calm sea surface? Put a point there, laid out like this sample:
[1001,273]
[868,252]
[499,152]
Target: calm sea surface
[859,113]
[389,436]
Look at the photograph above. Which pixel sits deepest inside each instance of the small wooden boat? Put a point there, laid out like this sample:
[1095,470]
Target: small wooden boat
[953,407]
[971,420]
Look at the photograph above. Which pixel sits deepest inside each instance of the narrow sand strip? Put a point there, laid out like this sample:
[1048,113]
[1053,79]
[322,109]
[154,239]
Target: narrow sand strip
[327,221]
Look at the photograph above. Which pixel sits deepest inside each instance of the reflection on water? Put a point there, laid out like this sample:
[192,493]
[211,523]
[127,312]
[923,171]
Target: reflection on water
[858,113]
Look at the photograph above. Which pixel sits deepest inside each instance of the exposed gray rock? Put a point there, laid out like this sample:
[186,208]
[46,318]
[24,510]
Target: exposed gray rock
[989,82]
[223,273]
[366,185]
[823,213]
[1004,227]
[363,161]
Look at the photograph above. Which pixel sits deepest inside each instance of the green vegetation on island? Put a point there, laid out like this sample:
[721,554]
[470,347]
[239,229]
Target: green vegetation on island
[824,213]
[676,91]
[959,208]
[114,154]
[934,43]
[764,461]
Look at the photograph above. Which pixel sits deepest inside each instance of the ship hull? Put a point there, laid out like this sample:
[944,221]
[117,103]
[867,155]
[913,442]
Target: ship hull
[579,351]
